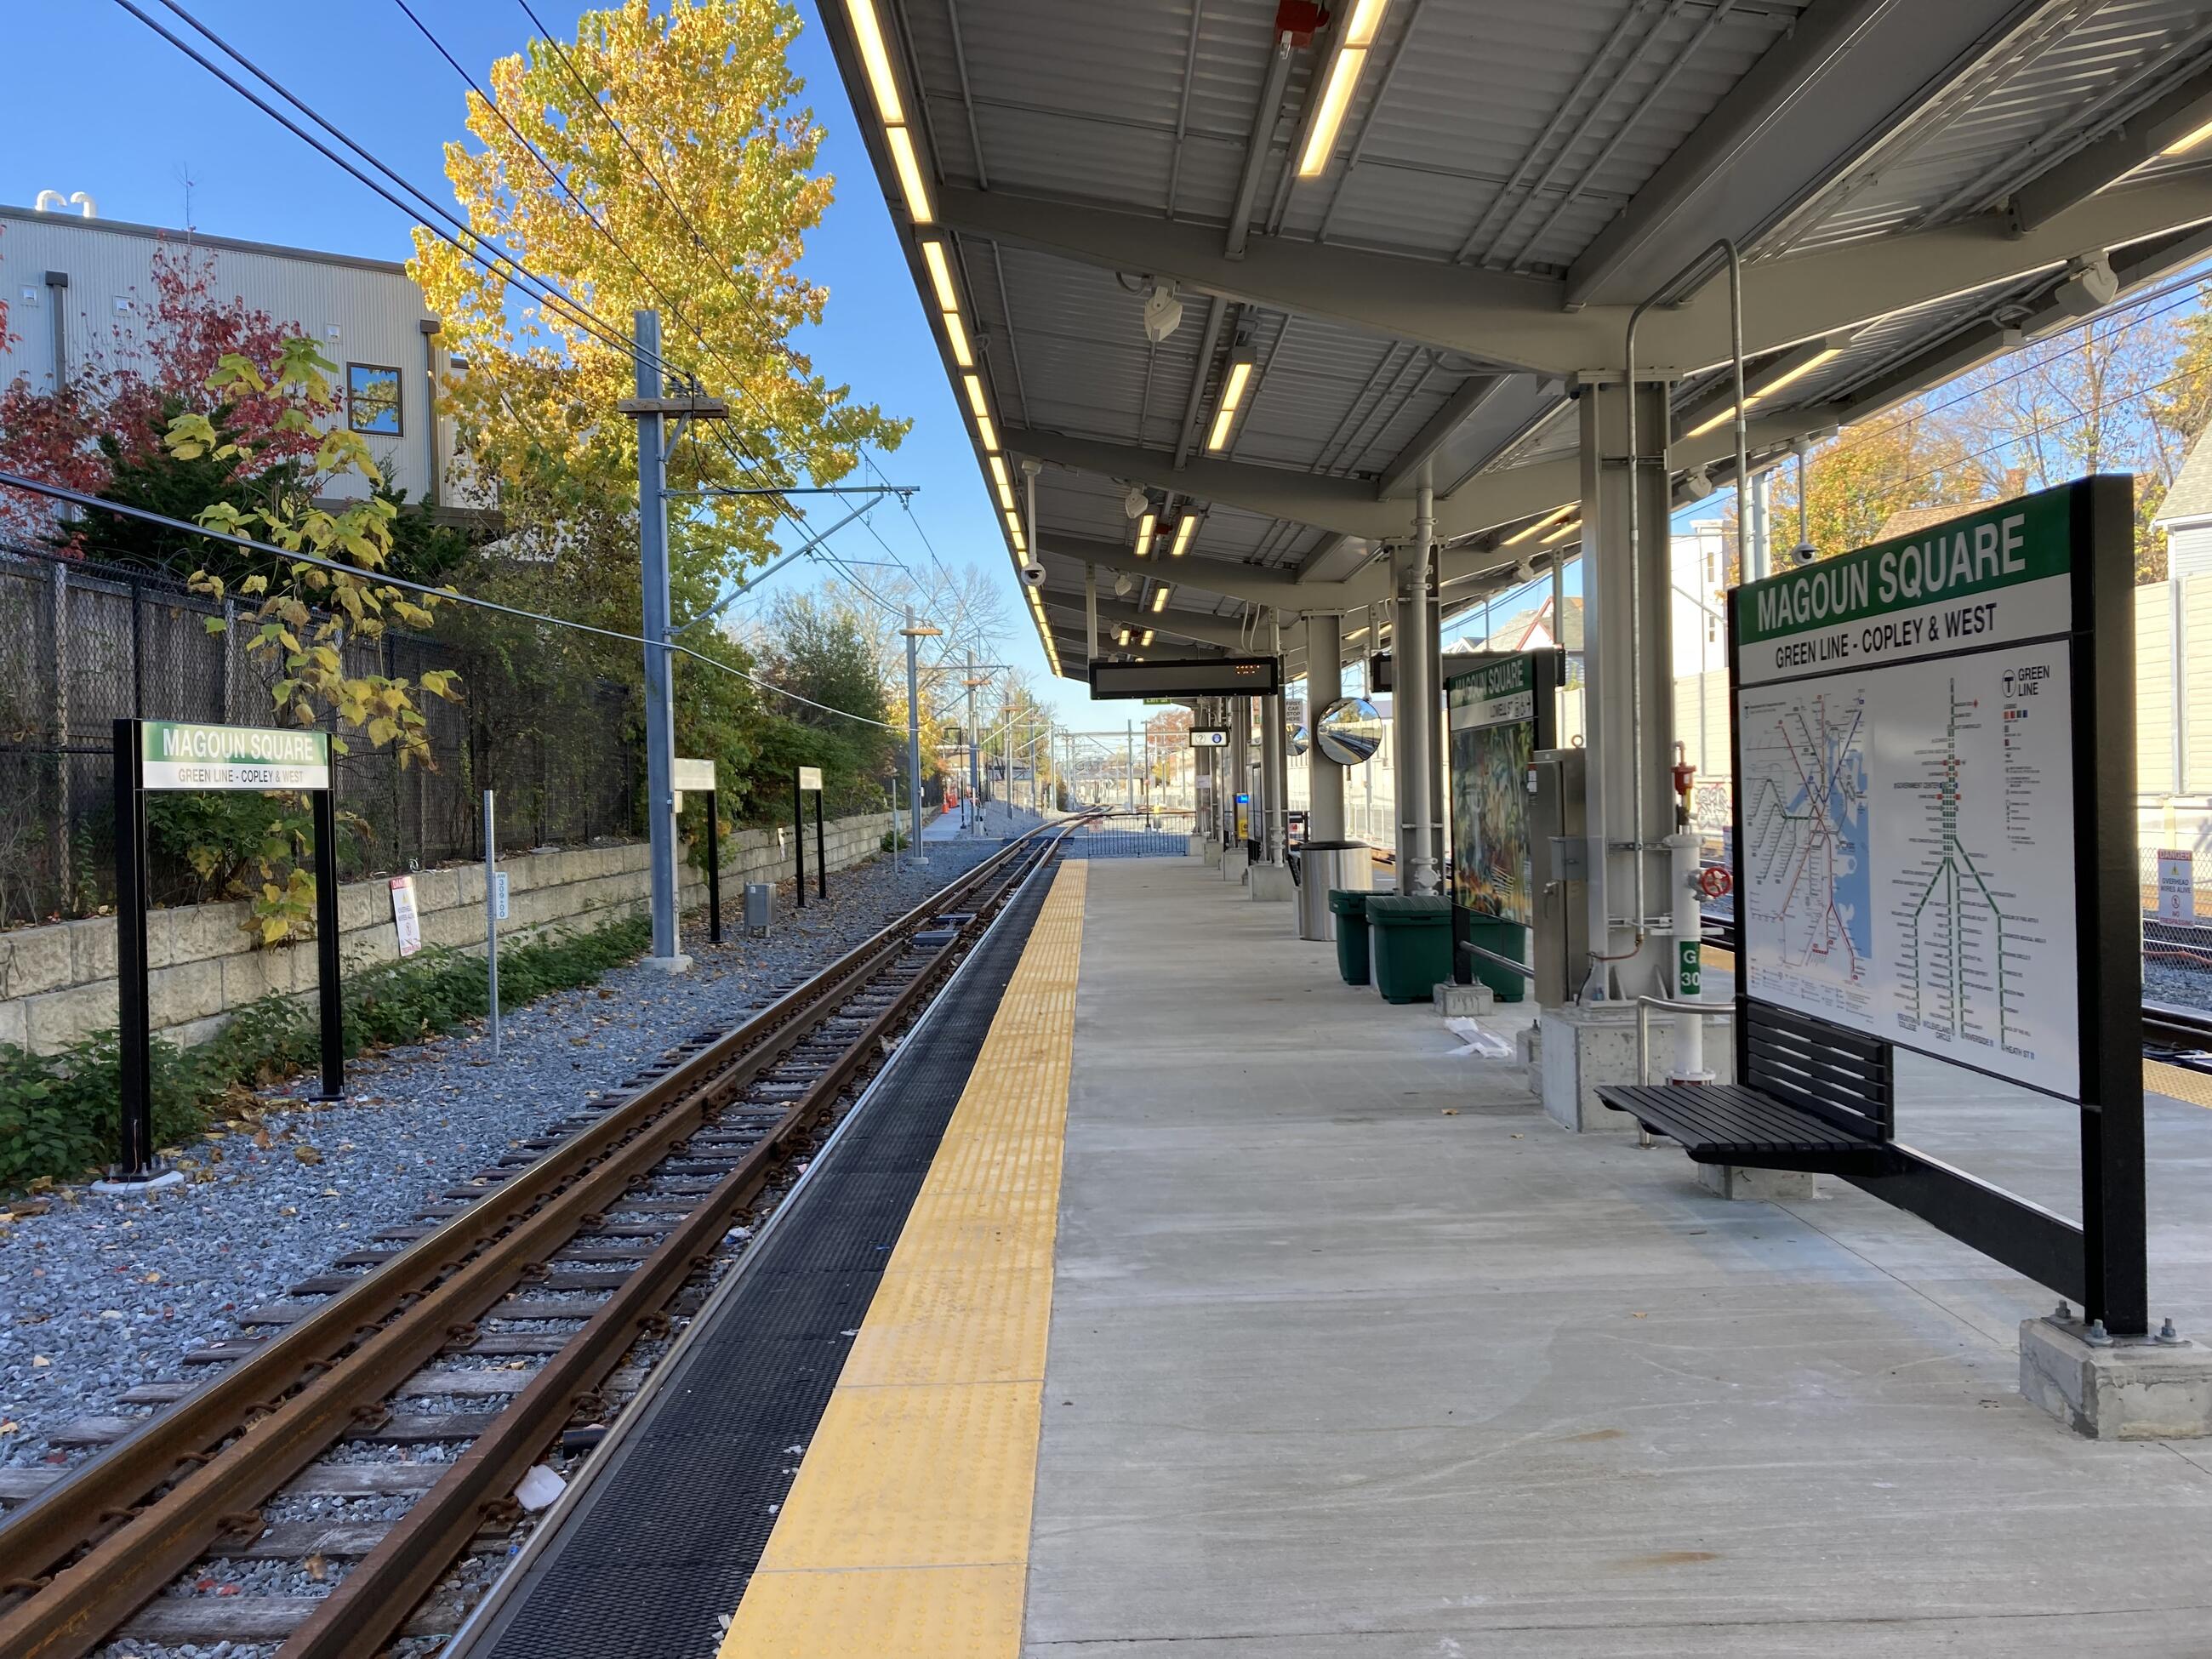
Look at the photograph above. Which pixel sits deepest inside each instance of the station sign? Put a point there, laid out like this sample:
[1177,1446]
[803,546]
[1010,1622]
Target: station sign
[1935,847]
[186,754]
[406,920]
[1906,779]
[1209,736]
[810,777]
[693,775]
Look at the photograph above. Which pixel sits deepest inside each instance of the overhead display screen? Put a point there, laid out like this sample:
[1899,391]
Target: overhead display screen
[1198,676]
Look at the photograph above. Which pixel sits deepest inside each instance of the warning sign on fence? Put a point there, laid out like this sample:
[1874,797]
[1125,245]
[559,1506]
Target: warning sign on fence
[2176,885]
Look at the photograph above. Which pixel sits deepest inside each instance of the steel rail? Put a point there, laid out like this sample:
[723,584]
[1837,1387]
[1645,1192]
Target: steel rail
[371,1602]
[224,1449]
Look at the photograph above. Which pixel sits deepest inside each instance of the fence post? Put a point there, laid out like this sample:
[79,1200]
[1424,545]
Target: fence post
[64,762]
[491,920]
[138,650]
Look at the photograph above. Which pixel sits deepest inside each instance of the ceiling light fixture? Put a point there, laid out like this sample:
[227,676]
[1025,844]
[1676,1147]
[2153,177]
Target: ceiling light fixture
[907,165]
[1542,523]
[1160,599]
[876,58]
[1341,81]
[1233,388]
[940,275]
[1753,399]
[989,433]
[2188,141]
[1147,637]
[977,400]
[958,333]
[1145,526]
[1573,526]
[1186,527]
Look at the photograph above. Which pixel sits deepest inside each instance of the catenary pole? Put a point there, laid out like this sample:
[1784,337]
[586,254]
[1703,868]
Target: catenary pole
[659,689]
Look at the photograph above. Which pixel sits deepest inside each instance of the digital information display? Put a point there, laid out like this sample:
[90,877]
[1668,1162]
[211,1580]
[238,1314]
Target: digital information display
[1198,676]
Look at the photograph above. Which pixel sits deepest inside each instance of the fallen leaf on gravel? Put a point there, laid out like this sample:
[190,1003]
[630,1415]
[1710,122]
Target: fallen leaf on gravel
[261,1137]
[289,1209]
[307,1154]
[318,1569]
[151,1279]
[330,1191]
[10,1426]
[39,1362]
[227,1590]
[111,1313]
[1451,1111]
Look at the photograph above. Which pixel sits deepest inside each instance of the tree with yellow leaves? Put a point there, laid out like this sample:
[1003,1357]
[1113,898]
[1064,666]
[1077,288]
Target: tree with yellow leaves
[658,161]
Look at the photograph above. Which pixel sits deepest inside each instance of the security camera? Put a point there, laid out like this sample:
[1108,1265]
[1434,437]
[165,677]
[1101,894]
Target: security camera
[1033,575]
[1699,483]
[1163,314]
[1136,504]
[1804,553]
[1122,585]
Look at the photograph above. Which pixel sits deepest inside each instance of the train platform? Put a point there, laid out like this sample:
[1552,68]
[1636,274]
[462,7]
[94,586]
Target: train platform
[1238,1313]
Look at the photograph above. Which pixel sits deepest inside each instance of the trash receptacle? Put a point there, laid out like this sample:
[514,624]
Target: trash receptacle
[1502,936]
[1323,868]
[1412,941]
[1348,910]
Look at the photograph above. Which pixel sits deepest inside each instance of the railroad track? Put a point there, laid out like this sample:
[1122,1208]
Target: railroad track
[499,1325]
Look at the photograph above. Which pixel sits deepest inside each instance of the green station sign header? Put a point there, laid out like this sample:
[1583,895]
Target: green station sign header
[186,754]
[1987,577]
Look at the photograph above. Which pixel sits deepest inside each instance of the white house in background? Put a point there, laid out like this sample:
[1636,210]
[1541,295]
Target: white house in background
[2185,515]
[75,286]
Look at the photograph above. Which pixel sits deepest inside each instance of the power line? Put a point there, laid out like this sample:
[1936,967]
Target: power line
[78,498]
[538,288]
[2041,427]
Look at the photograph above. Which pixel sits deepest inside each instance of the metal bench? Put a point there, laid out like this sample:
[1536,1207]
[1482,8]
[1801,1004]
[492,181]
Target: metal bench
[1814,1097]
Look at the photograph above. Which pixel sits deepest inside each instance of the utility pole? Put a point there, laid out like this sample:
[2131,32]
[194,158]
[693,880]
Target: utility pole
[650,407]
[914,634]
[1129,767]
[974,756]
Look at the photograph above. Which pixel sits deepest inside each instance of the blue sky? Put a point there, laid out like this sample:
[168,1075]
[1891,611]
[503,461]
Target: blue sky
[362,64]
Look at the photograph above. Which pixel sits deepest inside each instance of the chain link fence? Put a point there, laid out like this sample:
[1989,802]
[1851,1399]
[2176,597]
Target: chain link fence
[82,644]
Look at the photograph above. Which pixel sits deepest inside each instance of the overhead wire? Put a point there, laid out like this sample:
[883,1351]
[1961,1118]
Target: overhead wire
[444,595]
[538,288]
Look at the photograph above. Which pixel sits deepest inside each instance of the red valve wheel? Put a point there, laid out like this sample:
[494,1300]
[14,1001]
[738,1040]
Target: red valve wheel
[1715,882]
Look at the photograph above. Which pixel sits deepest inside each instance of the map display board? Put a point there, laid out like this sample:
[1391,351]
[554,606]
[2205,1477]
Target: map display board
[1494,713]
[1906,856]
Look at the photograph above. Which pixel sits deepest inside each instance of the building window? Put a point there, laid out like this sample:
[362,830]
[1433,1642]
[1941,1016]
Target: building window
[372,399]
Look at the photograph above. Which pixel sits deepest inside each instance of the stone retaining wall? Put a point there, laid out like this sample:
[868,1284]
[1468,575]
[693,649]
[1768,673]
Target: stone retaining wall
[57,982]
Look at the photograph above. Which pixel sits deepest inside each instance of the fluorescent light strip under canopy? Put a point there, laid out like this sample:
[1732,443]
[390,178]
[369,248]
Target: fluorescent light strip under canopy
[1186,527]
[1232,398]
[1342,80]
[1752,399]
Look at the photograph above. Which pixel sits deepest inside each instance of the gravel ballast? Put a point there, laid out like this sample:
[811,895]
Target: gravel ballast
[100,1293]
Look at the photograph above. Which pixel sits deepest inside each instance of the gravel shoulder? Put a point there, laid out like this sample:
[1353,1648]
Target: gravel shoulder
[99,1294]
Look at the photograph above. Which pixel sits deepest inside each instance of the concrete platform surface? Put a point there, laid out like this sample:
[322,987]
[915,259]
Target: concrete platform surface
[1354,1353]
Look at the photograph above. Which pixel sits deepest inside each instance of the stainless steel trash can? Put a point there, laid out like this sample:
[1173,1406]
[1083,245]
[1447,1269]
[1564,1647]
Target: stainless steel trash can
[1321,866]
[760,906]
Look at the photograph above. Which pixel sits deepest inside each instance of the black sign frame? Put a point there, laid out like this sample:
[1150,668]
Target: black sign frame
[2102,1261]
[799,794]
[134,1036]
[1547,673]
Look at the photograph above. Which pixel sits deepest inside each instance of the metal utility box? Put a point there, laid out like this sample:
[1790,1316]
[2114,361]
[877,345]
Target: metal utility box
[760,908]
[1558,834]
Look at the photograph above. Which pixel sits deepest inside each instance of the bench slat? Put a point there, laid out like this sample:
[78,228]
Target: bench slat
[1728,1123]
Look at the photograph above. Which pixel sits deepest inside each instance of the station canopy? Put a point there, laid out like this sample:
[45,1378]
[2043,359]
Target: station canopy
[1396,233]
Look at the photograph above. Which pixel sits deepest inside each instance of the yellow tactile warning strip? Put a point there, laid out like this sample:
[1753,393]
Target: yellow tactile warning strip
[2175,1082]
[906,1532]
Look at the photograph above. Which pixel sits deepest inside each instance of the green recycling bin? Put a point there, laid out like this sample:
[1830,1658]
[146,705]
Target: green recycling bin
[1412,944]
[1501,937]
[1350,909]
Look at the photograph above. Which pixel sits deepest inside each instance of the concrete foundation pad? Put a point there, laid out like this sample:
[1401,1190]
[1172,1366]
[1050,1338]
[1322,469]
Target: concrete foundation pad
[138,1188]
[1234,860]
[2134,1388]
[1211,850]
[1464,1001]
[1272,883]
[1585,1047]
[1199,845]
[1758,1185]
[678,964]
